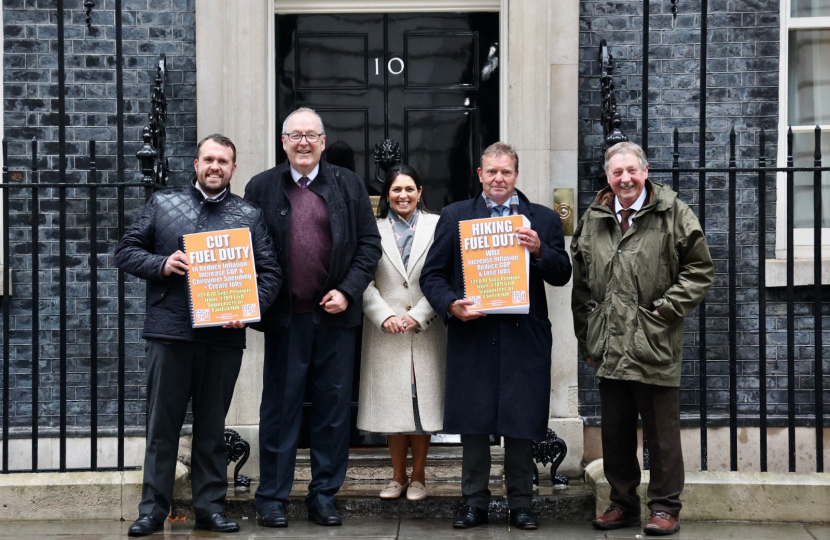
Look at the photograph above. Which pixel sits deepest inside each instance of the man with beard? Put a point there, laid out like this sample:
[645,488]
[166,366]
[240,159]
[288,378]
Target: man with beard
[182,361]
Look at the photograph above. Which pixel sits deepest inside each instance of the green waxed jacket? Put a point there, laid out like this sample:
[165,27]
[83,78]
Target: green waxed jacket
[662,263]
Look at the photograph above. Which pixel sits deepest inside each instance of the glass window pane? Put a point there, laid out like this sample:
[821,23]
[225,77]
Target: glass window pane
[809,77]
[810,8]
[804,148]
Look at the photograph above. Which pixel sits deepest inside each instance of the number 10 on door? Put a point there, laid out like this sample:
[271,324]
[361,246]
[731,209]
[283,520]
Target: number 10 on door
[395,66]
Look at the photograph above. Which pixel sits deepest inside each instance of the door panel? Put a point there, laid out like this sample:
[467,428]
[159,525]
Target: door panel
[439,145]
[428,81]
[347,132]
[441,61]
[332,61]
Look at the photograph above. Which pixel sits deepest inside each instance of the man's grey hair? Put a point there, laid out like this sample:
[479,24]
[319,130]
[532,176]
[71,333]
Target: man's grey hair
[301,110]
[626,148]
[500,149]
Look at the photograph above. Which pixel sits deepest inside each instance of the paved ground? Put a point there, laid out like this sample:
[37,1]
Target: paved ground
[407,529]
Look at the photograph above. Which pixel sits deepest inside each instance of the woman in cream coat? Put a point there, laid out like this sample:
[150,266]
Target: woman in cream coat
[404,342]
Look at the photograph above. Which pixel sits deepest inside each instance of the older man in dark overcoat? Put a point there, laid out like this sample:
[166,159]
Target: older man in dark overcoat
[327,241]
[498,366]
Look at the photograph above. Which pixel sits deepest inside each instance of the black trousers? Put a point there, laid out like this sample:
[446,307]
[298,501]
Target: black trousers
[177,371]
[518,471]
[659,407]
[325,357]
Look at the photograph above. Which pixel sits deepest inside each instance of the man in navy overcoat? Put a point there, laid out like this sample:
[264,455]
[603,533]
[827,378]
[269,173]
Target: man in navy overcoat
[498,366]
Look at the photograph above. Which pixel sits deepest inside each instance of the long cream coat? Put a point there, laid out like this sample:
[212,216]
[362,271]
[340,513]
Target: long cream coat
[385,376]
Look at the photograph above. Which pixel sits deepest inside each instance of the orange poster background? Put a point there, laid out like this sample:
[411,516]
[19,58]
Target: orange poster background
[222,277]
[495,265]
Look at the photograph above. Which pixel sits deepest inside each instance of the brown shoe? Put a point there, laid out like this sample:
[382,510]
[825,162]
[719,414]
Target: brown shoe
[616,518]
[662,524]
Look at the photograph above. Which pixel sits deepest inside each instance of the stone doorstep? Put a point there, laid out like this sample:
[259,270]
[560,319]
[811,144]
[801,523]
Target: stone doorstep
[374,464]
[735,496]
[360,499]
[74,495]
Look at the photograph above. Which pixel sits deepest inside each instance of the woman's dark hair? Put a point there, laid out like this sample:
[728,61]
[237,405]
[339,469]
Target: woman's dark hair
[391,174]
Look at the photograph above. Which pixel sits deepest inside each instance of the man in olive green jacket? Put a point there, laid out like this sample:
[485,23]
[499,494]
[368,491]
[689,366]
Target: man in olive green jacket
[641,264]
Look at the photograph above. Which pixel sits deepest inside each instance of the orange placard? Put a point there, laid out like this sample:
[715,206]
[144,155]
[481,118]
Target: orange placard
[222,277]
[495,265]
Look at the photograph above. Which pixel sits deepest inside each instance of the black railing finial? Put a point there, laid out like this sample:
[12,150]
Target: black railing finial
[88,5]
[611,118]
[152,155]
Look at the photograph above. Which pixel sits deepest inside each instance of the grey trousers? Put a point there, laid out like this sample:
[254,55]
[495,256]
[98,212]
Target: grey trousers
[177,371]
[475,471]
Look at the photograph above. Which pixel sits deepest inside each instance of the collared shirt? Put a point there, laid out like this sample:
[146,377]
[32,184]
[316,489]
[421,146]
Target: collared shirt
[210,197]
[510,206]
[636,206]
[311,176]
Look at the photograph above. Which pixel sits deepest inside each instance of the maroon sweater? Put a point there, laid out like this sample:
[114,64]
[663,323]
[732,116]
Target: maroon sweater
[309,246]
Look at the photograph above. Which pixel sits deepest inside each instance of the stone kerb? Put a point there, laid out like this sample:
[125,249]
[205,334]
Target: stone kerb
[75,495]
[735,496]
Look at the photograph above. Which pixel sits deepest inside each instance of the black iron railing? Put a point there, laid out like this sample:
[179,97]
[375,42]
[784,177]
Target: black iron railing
[34,216]
[752,176]
[14,276]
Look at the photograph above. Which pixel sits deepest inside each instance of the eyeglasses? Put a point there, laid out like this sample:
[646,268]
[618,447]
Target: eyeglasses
[310,137]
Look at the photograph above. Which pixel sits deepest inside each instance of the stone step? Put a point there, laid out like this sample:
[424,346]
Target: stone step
[374,464]
[443,464]
[360,499]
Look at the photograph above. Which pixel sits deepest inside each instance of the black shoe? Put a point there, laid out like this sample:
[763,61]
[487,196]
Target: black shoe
[272,516]
[145,525]
[217,522]
[523,518]
[470,516]
[325,514]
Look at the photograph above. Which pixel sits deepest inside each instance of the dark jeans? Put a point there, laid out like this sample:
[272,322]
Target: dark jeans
[659,407]
[518,471]
[177,370]
[325,356]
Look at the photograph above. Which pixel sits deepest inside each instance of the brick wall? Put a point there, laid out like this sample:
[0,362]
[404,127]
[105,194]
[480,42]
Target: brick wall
[742,92]
[30,91]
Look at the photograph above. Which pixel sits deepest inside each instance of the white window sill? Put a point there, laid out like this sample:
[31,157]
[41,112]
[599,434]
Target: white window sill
[802,272]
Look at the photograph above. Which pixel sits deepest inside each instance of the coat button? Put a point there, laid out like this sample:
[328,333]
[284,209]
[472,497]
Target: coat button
[408,308]
[494,342]
[162,295]
[405,285]
[283,212]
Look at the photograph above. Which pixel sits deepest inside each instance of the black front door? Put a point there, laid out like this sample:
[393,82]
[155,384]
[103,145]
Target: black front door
[430,82]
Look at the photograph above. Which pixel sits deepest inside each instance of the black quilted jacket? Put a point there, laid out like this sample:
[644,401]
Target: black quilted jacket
[156,234]
[355,248]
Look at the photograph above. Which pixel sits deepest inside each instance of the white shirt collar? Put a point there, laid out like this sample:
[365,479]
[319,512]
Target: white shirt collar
[311,176]
[210,197]
[636,206]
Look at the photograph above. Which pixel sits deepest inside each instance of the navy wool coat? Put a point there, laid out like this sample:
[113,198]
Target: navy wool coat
[498,366]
